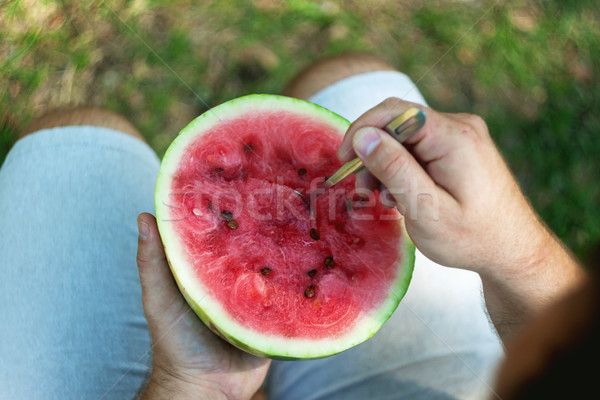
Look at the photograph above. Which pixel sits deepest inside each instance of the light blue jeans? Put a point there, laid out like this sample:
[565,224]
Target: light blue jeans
[71,318]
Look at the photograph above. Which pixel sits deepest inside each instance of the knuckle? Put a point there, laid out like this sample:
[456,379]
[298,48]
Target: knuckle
[470,132]
[473,126]
[391,102]
[143,258]
[394,165]
[477,122]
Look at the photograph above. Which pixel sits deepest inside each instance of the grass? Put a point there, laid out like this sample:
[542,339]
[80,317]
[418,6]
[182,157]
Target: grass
[529,68]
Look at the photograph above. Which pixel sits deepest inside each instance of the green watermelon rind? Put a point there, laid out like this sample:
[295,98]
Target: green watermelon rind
[210,311]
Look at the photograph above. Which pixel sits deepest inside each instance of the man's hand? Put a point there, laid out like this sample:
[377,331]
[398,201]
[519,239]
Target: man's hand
[463,208]
[189,360]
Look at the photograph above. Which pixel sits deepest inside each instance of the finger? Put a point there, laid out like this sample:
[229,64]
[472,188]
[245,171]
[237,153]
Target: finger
[159,290]
[447,146]
[386,198]
[410,185]
[378,116]
[366,182]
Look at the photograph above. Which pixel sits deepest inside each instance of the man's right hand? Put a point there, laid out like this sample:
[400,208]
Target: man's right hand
[463,208]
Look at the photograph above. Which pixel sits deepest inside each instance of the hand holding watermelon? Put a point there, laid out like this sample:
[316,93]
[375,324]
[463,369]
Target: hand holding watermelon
[189,360]
[463,208]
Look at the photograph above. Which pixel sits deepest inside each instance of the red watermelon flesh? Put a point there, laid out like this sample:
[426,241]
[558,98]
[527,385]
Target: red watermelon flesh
[251,244]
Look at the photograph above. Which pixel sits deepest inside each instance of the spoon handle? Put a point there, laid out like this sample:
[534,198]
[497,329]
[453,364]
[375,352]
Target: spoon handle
[401,128]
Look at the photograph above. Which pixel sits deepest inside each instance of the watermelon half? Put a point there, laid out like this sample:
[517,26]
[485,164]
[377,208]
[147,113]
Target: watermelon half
[253,262]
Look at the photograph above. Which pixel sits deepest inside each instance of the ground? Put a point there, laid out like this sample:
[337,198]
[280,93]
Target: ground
[529,68]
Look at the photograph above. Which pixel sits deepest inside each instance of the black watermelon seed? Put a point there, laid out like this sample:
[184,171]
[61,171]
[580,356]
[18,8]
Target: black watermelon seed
[314,234]
[226,215]
[219,170]
[312,272]
[232,224]
[310,291]
[265,271]
[248,147]
[302,171]
[329,263]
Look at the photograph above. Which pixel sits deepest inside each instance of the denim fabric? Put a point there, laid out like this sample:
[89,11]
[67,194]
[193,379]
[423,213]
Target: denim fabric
[71,318]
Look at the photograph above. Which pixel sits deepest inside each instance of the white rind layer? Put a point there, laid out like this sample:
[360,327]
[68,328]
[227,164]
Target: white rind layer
[210,311]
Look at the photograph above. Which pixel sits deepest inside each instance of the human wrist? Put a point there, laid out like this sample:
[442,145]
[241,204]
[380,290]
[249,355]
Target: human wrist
[515,293]
[167,385]
[536,256]
[516,250]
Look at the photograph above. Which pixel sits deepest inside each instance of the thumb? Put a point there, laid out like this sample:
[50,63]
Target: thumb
[392,164]
[159,290]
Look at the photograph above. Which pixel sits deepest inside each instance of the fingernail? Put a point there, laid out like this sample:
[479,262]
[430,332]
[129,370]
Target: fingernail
[143,229]
[365,141]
